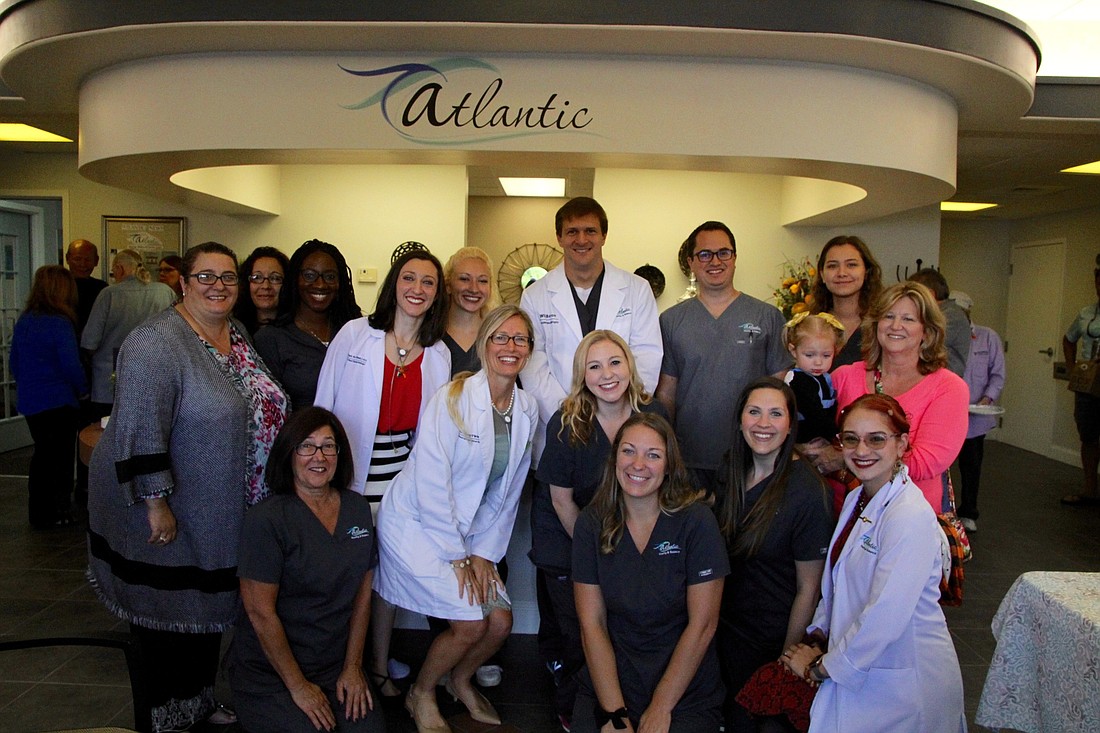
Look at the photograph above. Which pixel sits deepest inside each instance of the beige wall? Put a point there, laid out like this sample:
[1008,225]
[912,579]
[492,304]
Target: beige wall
[975,259]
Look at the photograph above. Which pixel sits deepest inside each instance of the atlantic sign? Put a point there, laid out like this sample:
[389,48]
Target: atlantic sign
[459,101]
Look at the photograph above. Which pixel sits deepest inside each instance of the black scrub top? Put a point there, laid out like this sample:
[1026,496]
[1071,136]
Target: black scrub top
[645,596]
[318,575]
[579,467]
[760,590]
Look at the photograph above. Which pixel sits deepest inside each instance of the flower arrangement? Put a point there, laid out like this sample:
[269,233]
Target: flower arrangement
[793,295]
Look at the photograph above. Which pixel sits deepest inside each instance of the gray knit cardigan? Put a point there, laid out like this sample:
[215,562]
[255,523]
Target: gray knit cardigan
[179,428]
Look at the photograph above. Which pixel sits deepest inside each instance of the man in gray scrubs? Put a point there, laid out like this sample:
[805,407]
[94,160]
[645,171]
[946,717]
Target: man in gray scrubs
[715,344]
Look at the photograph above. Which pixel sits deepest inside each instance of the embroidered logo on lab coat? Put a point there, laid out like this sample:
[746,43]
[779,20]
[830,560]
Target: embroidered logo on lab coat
[623,312]
[667,548]
[548,319]
[469,437]
[358,533]
[868,544]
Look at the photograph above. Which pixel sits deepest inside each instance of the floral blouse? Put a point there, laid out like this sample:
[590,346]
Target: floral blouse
[269,407]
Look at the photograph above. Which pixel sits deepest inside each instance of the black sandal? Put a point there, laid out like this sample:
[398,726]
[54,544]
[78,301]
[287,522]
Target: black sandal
[380,681]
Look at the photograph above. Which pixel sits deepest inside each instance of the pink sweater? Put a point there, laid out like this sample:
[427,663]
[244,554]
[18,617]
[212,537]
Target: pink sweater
[938,419]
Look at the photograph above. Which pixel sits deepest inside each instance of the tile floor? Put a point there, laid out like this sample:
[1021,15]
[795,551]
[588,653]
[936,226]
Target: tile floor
[43,591]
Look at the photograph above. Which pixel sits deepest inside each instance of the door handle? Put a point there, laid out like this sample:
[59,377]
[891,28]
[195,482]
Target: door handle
[1049,351]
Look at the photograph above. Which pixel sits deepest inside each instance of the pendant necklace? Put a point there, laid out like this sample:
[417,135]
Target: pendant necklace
[507,412]
[402,355]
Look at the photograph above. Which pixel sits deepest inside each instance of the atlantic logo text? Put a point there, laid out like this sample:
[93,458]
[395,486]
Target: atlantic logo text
[456,101]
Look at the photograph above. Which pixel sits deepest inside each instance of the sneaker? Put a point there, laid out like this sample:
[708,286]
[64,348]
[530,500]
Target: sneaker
[566,723]
[489,675]
[398,670]
[969,524]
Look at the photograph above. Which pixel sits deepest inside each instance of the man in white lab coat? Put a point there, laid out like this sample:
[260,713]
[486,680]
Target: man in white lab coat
[580,295]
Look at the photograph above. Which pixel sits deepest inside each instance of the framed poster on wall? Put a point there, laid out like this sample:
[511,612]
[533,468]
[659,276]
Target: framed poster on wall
[153,237]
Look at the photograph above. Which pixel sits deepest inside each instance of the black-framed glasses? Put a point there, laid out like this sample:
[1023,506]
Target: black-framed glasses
[706,255]
[874,441]
[309,449]
[329,276]
[521,341]
[258,277]
[209,278]
[164,270]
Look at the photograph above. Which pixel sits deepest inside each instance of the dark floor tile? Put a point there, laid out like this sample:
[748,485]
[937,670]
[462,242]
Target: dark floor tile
[40,583]
[53,706]
[34,665]
[16,611]
[69,617]
[93,665]
[11,690]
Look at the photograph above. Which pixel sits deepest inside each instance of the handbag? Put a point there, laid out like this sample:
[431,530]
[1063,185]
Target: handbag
[956,550]
[774,690]
[1083,378]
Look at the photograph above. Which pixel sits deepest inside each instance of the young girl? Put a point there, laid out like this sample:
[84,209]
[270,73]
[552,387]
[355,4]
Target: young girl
[812,341]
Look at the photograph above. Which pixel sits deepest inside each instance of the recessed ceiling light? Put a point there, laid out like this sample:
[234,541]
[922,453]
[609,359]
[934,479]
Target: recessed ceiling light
[18,132]
[963,206]
[533,186]
[1092,168]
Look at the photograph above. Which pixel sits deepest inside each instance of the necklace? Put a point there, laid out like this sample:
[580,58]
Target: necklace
[402,355]
[507,413]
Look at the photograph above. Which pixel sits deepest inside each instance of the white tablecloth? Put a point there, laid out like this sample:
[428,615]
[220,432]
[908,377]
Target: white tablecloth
[1045,674]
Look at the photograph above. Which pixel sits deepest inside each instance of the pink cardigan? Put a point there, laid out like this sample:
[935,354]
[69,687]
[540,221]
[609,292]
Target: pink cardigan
[938,419]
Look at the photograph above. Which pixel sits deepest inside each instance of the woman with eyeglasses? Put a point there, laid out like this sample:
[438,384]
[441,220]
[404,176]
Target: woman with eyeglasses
[446,519]
[307,558]
[183,455]
[262,273]
[316,301]
[377,377]
[882,654]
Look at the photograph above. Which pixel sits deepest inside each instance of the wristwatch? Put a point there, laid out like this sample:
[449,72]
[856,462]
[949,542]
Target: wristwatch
[814,671]
[617,718]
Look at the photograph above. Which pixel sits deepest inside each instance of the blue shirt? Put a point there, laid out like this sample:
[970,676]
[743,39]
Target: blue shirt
[46,363]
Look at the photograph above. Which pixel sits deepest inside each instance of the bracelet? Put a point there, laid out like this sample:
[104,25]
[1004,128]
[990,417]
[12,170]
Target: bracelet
[617,718]
[812,671]
[463,563]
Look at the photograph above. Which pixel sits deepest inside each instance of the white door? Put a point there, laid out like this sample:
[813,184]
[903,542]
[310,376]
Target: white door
[22,251]
[1034,339]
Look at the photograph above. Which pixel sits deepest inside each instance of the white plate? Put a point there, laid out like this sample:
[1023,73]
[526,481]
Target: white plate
[986,410]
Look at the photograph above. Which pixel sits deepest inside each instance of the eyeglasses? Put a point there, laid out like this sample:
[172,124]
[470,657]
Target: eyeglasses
[521,342]
[309,449]
[209,278]
[874,441]
[258,277]
[706,255]
[329,276]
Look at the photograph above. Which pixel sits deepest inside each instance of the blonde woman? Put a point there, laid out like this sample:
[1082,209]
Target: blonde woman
[606,390]
[469,277]
[446,519]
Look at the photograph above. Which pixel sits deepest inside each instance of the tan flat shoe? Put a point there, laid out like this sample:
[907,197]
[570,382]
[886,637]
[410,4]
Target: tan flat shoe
[421,707]
[480,709]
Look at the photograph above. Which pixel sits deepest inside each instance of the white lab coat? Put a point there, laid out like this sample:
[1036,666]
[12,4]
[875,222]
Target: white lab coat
[350,384]
[627,307]
[891,663]
[439,508]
